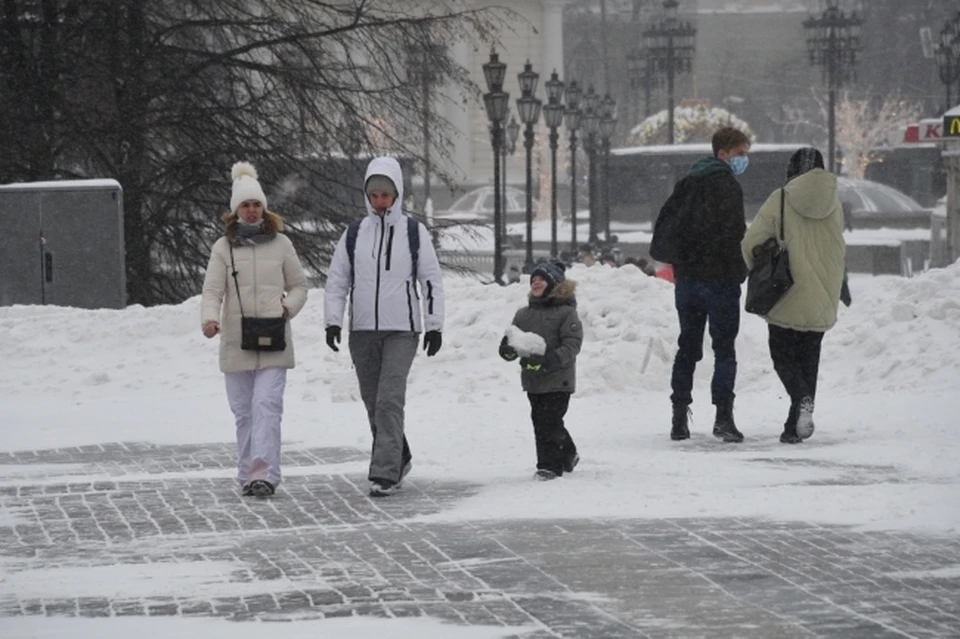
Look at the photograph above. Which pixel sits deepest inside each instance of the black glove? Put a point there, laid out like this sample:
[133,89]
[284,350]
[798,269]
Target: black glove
[507,352]
[432,340]
[534,363]
[541,363]
[333,337]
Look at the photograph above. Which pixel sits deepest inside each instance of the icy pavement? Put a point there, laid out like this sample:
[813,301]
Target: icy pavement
[168,536]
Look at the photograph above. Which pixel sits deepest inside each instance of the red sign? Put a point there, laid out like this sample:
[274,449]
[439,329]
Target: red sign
[929,130]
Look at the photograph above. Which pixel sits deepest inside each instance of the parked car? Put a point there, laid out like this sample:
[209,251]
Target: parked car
[476,207]
[876,205]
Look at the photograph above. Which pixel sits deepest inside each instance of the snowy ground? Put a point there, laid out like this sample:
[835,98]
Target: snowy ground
[884,456]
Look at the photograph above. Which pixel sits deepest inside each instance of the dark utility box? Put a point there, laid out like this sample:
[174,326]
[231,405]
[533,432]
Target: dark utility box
[62,244]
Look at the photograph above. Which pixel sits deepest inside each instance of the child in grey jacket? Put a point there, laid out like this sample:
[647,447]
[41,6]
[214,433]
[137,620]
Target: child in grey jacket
[546,336]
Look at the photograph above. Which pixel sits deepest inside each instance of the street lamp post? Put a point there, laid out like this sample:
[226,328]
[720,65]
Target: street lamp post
[572,120]
[642,77]
[496,102]
[509,146]
[553,114]
[833,42]
[670,45]
[591,128]
[607,125]
[947,55]
[529,109]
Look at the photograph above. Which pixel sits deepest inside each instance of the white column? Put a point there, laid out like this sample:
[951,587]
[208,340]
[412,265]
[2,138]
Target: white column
[552,43]
[552,38]
[458,113]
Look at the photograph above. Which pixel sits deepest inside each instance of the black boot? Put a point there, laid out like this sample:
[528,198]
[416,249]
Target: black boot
[789,434]
[681,429]
[724,426]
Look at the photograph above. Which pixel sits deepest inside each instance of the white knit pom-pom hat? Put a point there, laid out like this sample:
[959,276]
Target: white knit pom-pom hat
[245,186]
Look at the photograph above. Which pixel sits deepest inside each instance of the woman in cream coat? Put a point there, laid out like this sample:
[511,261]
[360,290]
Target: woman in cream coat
[255,259]
[813,234]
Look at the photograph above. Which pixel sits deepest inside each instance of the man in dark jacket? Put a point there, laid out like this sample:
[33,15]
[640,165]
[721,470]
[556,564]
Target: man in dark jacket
[708,281]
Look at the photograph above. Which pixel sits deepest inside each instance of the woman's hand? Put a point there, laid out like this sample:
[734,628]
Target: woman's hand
[210,329]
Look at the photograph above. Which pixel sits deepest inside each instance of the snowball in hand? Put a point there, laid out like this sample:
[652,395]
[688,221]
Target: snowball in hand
[526,344]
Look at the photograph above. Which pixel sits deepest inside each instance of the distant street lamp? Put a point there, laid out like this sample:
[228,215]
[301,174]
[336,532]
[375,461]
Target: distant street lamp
[608,124]
[590,121]
[572,120]
[642,76]
[528,107]
[509,146]
[947,55]
[553,114]
[496,102]
[833,42]
[670,47]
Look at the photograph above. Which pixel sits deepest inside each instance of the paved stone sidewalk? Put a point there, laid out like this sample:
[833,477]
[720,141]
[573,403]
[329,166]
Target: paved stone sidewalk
[322,548]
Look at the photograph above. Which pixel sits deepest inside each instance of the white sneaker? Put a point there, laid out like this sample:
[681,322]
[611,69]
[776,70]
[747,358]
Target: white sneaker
[805,418]
[543,474]
[382,488]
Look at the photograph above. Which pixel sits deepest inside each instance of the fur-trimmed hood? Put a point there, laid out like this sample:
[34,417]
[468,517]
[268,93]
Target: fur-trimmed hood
[563,293]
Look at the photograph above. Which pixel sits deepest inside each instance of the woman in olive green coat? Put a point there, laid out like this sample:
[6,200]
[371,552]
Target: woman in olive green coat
[813,235]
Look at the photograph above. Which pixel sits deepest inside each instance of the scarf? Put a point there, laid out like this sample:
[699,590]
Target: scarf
[251,234]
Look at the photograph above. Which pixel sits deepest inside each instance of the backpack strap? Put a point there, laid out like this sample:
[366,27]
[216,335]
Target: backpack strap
[352,231]
[413,238]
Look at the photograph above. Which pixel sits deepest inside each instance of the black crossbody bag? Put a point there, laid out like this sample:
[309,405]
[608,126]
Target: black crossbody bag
[770,277]
[259,333]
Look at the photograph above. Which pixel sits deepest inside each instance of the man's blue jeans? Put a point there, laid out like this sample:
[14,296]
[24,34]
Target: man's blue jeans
[697,303]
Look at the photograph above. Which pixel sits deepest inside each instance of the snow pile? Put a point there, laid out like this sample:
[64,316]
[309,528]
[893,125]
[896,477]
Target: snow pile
[900,334]
[691,124]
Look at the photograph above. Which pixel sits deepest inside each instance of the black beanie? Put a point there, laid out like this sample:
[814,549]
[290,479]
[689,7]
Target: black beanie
[803,160]
[551,272]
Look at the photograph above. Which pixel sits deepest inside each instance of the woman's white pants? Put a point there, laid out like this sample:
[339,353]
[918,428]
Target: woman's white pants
[256,399]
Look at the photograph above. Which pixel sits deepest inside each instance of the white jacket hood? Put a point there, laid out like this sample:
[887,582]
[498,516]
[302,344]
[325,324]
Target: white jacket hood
[389,167]
[385,290]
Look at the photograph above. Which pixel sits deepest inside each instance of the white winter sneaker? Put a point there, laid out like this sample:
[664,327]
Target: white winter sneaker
[383,488]
[805,418]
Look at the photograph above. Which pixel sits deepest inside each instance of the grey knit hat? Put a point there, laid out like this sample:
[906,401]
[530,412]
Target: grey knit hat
[380,184]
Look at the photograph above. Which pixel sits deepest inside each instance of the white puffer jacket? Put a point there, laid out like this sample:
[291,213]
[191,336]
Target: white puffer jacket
[271,279]
[383,294]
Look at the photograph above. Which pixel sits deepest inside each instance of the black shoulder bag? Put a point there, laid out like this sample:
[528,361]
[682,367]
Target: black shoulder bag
[770,276]
[259,333]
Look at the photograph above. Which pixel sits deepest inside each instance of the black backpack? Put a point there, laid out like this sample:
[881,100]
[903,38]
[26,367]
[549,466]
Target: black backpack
[413,237]
[678,228]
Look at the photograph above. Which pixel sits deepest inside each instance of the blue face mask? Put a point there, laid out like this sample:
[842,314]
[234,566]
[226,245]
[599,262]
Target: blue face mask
[738,164]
